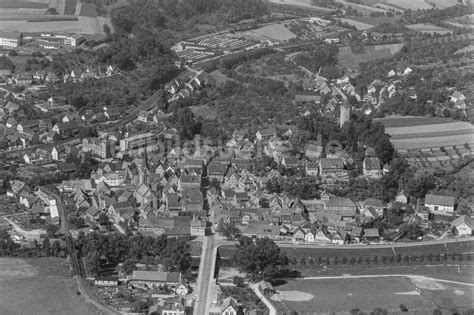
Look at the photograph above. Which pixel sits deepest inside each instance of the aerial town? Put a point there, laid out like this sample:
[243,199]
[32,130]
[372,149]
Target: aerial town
[225,157]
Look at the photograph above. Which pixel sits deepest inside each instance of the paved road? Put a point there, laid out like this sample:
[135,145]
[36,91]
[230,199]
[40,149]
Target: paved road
[205,276]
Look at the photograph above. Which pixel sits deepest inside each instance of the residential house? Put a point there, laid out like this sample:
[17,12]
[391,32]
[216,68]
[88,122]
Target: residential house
[11,123]
[375,204]
[290,161]
[439,203]
[192,199]
[189,181]
[313,151]
[258,230]
[121,212]
[27,125]
[266,134]
[145,197]
[68,129]
[331,167]
[312,168]
[344,207]
[371,235]
[216,170]
[464,225]
[371,167]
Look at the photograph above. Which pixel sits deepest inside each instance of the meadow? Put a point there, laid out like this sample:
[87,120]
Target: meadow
[39,286]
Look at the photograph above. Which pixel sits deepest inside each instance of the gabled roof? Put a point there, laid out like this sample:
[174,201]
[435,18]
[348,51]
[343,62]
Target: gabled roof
[371,233]
[372,163]
[156,276]
[439,200]
[331,163]
[464,219]
[340,202]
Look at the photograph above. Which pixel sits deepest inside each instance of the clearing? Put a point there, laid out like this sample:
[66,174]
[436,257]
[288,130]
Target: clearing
[39,286]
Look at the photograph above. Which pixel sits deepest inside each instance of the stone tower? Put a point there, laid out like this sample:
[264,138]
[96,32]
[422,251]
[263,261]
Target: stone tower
[345,114]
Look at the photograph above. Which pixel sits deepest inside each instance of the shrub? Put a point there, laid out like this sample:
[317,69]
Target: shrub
[403,308]
[437,311]
[303,261]
[238,281]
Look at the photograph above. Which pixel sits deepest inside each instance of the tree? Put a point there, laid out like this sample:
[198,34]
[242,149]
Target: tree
[55,248]
[227,229]
[52,230]
[46,246]
[104,219]
[92,263]
[238,281]
[259,259]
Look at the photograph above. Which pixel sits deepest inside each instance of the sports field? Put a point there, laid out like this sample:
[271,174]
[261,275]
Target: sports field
[343,295]
[316,295]
[39,286]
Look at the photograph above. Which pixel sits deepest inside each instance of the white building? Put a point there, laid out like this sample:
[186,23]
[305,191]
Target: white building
[73,40]
[10,39]
[464,225]
[439,203]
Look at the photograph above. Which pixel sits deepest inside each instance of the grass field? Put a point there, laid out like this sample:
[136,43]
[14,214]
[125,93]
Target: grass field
[429,28]
[276,32]
[343,295]
[39,286]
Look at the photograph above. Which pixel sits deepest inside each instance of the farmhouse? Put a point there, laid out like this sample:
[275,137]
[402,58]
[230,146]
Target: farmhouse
[439,203]
[464,225]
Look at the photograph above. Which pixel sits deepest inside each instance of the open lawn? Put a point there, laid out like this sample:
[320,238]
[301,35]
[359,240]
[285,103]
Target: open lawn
[343,295]
[39,286]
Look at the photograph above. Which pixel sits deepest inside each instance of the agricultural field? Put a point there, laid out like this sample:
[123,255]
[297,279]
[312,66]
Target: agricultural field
[412,133]
[407,121]
[361,26]
[300,3]
[350,60]
[39,286]
[426,28]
